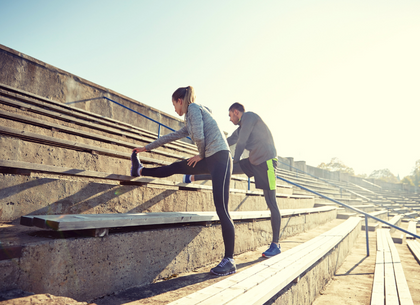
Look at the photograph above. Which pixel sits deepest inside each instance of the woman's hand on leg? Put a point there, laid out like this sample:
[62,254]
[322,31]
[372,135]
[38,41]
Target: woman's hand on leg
[193,160]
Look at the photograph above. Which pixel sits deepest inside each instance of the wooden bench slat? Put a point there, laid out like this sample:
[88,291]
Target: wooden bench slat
[257,290]
[378,289]
[220,287]
[389,278]
[93,221]
[281,269]
[263,292]
[412,227]
[404,294]
[391,295]
[414,246]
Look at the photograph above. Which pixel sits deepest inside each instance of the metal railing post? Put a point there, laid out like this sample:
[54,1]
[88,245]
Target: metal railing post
[367,235]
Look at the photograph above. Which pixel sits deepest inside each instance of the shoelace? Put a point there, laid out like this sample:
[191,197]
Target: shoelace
[223,262]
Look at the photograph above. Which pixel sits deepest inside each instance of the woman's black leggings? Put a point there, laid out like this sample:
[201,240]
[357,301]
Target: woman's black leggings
[219,166]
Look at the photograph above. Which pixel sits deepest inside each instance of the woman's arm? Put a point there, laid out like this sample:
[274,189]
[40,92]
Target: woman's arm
[170,137]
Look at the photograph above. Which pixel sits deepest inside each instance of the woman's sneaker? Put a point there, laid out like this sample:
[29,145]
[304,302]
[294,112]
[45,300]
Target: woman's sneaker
[136,165]
[226,266]
[186,179]
[273,250]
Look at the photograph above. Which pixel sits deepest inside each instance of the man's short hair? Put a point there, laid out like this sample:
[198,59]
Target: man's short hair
[237,106]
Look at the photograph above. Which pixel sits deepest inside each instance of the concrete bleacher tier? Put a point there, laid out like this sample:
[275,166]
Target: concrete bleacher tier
[65,170]
[74,223]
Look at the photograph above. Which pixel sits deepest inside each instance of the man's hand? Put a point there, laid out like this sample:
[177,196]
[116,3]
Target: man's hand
[139,149]
[193,161]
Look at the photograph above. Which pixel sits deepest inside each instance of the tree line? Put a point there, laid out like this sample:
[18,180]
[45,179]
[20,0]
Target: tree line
[383,174]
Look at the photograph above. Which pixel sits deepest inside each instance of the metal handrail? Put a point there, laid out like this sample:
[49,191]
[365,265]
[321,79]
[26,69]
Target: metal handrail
[143,115]
[302,187]
[354,209]
[313,176]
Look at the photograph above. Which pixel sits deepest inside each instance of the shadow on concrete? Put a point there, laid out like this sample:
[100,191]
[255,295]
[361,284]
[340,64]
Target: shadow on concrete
[242,202]
[284,228]
[84,199]
[174,283]
[13,190]
[143,207]
[354,267]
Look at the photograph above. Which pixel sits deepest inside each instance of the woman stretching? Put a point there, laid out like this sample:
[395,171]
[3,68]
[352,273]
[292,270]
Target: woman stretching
[214,158]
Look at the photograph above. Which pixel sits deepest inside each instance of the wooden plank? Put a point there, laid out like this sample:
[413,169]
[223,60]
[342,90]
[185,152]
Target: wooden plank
[378,289]
[404,294]
[411,228]
[200,296]
[281,270]
[391,295]
[263,292]
[93,221]
[258,289]
[414,246]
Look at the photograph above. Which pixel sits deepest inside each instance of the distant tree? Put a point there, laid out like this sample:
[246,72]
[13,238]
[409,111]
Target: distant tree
[336,165]
[384,175]
[408,180]
[416,174]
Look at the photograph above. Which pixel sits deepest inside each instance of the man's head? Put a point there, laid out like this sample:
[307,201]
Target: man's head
[235,112]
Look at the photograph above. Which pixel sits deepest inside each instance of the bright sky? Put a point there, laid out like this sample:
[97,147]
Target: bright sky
[330,78]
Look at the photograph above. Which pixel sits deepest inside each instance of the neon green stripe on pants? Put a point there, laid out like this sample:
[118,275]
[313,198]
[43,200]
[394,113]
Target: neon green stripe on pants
[271,174]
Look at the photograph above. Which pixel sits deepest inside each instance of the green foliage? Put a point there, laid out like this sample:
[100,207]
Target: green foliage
[414,178]
[336,165]
[407,180]
[416,174]
[384,175]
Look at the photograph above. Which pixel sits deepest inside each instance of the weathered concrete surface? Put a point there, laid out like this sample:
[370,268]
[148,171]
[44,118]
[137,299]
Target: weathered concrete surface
[86,268]
[168,290]
[52,194]
[29,74]
[43,299]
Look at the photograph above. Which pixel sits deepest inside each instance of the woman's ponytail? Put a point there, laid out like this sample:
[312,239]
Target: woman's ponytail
[189,98]
[187,94]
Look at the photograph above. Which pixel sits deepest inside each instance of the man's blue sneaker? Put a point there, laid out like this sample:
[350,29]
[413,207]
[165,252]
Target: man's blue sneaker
[136,165]
[226,266]
[272,251]
[186,179]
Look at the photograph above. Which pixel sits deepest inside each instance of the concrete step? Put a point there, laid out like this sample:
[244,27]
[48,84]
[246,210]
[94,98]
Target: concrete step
[184,284]
[130,257]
